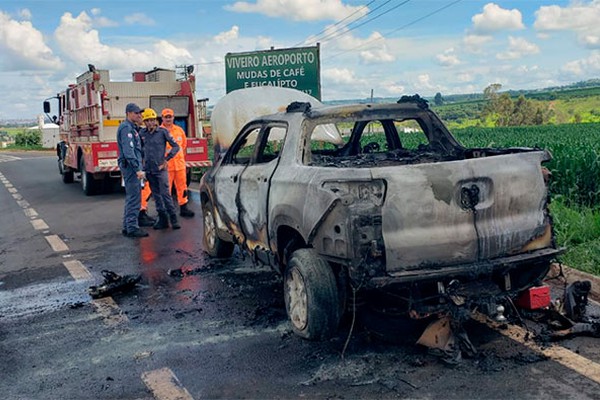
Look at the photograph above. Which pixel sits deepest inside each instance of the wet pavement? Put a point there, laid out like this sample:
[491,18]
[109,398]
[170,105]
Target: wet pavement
[219,326]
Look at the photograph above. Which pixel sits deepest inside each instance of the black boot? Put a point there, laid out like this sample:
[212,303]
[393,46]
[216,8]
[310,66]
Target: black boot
[163,221]
[174,223]
[145,220]
[184,211]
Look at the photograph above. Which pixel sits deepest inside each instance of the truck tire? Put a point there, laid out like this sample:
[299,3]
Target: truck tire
[88,184]
[311,296]
[213,244]
[67,173]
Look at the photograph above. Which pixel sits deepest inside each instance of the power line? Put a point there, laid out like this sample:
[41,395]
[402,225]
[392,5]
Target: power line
[397,29]
[316,36]
[339,33]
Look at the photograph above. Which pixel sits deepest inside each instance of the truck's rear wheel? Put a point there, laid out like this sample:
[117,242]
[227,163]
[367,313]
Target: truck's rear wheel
[311,296]
[88,183]
[213,244]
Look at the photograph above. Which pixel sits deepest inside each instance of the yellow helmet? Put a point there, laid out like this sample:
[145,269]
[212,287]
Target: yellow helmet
[148,113]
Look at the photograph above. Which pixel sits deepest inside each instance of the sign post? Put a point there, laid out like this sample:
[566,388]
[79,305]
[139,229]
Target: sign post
[296,68]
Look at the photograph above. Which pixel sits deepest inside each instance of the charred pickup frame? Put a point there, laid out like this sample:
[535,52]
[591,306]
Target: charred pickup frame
[418,100]
[353,227]
[372,191]
[298,106]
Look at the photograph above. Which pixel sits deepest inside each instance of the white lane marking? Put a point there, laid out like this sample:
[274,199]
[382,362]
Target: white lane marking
[39,224]
[111,312]
[77,270]
[56,243]
[6,157]
[12,190]
[107,307]
[30,212]
[165,386]
[565,357]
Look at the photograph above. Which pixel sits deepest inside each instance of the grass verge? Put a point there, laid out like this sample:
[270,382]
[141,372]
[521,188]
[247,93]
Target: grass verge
[578,229]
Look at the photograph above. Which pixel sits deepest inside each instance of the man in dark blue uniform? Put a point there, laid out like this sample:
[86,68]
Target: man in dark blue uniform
[130,163]
[154,143]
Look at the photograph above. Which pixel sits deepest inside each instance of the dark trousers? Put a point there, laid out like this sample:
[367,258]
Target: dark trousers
[159,184]
[133,199]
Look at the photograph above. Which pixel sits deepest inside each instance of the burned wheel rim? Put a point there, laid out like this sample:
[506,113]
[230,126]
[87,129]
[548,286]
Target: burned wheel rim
[210,234]
[297,301]
[311,295]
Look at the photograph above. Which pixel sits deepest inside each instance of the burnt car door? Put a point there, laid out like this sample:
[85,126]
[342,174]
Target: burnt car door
[227,179]
[254,188]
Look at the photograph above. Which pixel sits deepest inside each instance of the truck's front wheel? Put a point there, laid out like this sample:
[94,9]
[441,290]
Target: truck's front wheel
[311,296]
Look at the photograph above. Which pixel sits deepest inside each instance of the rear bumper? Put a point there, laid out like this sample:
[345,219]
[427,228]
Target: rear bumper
[471,270]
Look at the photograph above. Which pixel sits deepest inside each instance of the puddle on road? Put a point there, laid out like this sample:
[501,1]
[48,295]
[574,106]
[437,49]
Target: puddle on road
[42,298]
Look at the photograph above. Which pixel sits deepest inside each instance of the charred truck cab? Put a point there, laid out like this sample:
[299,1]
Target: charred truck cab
[379,197]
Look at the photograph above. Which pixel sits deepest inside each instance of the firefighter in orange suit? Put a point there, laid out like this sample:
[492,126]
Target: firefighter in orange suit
[177,164]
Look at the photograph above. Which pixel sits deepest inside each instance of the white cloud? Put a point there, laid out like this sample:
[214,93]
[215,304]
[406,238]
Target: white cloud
[465,77]
[101,22]
[424,83]
[339,76]
[577,17]
[371,50]
[476,43]
[448,58]
[171,54]
[228,36]
[517,48]
[82,44]
[23,47]
[392,88]
[584,67]
[139,19]
[306,10]
[25,13]
[494,18]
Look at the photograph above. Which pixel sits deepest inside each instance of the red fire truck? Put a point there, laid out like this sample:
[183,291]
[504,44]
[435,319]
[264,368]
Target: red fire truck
[90,111]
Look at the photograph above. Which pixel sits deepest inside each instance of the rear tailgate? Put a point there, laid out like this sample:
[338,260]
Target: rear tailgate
[428,216]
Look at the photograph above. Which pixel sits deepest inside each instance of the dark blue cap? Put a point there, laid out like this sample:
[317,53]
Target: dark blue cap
[132,107]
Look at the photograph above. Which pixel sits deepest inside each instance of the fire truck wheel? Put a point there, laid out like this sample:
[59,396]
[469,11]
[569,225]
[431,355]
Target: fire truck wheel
[67,176]
[66,172]
[88,183]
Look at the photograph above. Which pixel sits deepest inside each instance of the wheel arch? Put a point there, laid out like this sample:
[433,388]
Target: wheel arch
[288,241]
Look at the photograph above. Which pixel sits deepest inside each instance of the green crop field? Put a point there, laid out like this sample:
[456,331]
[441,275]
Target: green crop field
[575,148]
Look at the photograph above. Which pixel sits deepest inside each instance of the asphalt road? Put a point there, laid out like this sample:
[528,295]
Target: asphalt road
[218,330]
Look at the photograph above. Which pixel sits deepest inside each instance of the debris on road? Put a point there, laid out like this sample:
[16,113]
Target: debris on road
[113,283]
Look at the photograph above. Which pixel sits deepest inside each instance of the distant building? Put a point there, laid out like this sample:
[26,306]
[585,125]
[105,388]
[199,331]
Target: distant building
[49,132]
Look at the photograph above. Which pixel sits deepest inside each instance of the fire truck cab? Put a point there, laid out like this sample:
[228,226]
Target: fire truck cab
[90,111]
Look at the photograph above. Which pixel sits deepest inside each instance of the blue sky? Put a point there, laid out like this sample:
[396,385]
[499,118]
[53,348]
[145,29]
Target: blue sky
[392,47]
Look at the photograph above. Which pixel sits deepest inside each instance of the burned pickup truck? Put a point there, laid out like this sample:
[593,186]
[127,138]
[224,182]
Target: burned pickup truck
[372,197]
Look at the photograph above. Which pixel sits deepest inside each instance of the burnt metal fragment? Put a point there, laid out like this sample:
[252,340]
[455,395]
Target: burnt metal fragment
[113,283]
[576,300]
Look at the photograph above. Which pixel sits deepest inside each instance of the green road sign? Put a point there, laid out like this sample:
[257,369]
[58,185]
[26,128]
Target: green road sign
[295,68]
